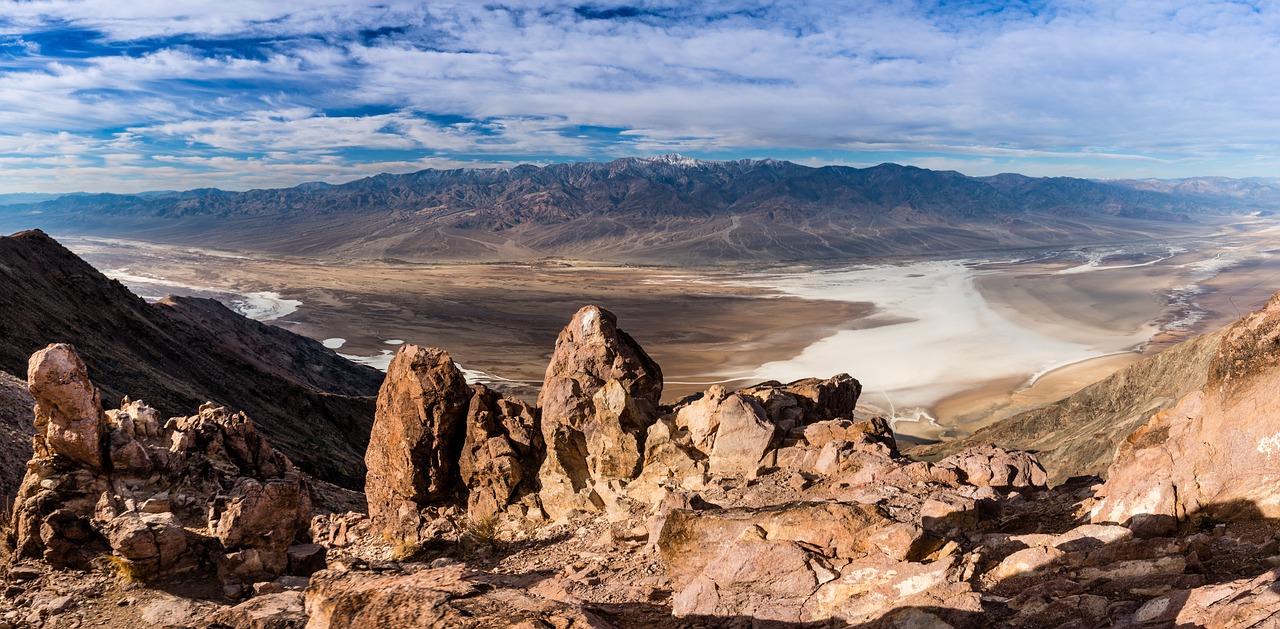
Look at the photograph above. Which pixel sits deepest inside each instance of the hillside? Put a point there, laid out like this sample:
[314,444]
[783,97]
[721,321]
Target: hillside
[1078,434]
[667,209]
[177,354]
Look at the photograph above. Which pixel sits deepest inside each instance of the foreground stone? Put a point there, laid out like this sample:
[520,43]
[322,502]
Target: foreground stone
[599,397]
[416,440]
[162,497]
[435,597]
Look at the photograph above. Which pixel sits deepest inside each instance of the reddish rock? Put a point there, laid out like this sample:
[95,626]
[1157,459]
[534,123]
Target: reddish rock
[690,540]
[1217,452]
[730,429]
[989,466]
[69,417]
[439,597]
[809,400]
[183,494]
[416,440]
[500,455]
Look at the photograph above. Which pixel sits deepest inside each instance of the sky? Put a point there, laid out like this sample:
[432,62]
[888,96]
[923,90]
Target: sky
[105,95]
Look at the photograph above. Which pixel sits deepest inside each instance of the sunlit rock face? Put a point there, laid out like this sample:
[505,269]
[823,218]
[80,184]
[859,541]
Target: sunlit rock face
[599,397]
[1217,452]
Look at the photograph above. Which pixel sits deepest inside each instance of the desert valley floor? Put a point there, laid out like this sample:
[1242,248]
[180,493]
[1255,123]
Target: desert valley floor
[944,345]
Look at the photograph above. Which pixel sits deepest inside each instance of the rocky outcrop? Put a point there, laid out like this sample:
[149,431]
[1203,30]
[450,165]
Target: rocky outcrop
[162,497]
[731,429]
[437,442]
[417,438]
[69,418]
[599,397]
[1078,435]
[989,466]
[176,361]
[1216,454]
[501,453]
[808,400]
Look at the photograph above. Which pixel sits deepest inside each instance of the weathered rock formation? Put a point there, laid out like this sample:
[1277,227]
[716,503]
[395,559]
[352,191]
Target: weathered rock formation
[448,596]
[417,438]
[1217,452]
[163,497]
[774,504]
[598,399]
[437,441]
[501,453]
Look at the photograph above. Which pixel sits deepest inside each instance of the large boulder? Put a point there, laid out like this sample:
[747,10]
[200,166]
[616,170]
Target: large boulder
[417,438]
[989,466]
[69,417]
[808,400]
[599,397]
[447,596]
[1217,452]
[731,429]
[690,540]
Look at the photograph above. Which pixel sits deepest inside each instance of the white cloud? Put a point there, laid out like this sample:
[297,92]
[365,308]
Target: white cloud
[1091,87]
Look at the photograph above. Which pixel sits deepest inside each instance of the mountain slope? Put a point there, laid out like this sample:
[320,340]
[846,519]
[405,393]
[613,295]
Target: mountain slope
[1078,434]
[178,355]
[667,209]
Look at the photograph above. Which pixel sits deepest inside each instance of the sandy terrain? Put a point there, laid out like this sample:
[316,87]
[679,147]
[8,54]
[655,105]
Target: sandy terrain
[499,319]
[951,344]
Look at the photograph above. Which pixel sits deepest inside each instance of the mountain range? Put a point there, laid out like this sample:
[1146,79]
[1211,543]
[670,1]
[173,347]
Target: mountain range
[667,209]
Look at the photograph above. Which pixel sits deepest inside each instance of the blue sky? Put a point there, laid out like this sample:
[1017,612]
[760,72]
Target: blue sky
[104,95]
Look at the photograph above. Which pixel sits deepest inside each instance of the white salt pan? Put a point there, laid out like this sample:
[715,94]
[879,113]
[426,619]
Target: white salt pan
[265,306]
[334,343]
[940,336]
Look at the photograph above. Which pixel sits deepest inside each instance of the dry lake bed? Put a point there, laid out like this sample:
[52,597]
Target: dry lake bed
[942,345]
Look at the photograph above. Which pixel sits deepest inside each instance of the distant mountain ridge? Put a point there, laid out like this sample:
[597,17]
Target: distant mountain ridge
[664,209]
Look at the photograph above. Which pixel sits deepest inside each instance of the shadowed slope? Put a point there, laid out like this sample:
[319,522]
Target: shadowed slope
[167,357]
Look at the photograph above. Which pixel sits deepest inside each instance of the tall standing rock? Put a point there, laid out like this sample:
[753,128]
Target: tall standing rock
[69,417]
[416,439]
[598,399]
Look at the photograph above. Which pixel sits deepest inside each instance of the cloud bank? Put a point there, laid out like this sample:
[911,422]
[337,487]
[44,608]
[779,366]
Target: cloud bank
[102,95]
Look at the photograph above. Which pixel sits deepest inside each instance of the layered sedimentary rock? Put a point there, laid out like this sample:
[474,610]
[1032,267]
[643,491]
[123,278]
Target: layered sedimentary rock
[162,497]
[1217,452]
[599,397]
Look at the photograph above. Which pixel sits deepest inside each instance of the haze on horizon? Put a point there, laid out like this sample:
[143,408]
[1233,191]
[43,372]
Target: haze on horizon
[96,95]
